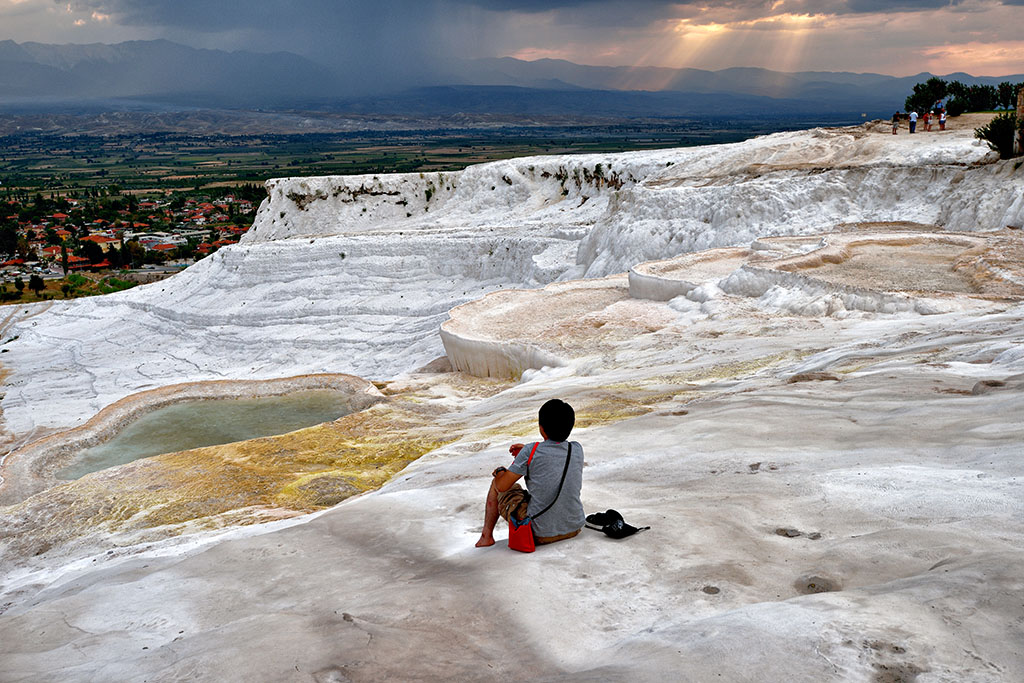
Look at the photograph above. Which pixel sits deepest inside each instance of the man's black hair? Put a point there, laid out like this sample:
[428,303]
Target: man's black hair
[557,418]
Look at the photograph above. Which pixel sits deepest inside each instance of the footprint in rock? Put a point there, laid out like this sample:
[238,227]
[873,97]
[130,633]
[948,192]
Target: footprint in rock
[884,647]
[889,660]
[815,583]
[334,674]
[790,532]
[896,673]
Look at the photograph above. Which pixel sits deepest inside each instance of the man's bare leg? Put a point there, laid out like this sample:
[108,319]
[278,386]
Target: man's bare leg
[490,518]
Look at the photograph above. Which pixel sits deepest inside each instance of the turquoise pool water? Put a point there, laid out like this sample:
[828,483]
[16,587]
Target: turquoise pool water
[193,424]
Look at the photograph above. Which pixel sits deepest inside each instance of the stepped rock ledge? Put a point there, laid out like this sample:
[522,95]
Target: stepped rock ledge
[798,358]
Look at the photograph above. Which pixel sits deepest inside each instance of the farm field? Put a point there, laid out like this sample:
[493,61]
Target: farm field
[141,162]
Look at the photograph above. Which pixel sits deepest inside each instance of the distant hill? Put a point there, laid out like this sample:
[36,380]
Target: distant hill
[159,70]
[521,101]
[160,73]
[816,90]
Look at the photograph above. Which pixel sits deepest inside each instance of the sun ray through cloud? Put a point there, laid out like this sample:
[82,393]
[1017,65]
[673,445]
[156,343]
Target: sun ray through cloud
[903,37]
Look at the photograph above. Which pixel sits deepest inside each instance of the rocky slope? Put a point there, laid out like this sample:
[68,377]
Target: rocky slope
[819,422]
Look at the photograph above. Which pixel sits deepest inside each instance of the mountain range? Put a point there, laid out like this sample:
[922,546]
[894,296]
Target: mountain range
[160,74]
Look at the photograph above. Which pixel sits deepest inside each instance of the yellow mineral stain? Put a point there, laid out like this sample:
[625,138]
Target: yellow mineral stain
[522,428]
[666,384]
[592,416]
[232,484]
[594,410]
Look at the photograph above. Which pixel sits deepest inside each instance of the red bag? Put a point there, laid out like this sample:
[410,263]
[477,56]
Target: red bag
[520,531]
[520,535]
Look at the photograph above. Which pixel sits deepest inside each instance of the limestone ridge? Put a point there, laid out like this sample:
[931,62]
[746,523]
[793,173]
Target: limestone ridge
[356,274]
[528,190]
[802,183]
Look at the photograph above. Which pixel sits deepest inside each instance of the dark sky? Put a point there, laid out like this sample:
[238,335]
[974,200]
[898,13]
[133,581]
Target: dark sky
[899,37]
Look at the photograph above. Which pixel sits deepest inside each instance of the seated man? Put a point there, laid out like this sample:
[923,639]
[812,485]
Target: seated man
[543,475]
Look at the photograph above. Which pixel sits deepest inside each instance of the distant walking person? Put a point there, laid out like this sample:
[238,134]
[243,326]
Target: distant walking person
[913,121]
[942,120]
[927,122]
[895,122]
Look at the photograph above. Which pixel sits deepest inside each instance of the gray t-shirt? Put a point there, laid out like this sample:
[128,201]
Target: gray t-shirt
[545,471]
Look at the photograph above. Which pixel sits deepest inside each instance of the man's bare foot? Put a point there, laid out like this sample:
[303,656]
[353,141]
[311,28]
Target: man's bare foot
[485,541]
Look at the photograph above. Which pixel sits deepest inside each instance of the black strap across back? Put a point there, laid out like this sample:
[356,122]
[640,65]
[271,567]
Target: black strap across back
[565,470]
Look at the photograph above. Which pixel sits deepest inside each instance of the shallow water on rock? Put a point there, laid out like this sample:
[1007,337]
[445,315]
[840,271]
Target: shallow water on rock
[919,267]
[194,424]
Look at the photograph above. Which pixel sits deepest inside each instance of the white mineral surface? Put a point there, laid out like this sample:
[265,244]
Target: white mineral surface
[821,423]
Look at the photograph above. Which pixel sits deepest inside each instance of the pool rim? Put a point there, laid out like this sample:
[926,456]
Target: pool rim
[31,468]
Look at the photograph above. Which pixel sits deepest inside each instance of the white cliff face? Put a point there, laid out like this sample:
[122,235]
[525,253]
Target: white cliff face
[803,183]
[570,192]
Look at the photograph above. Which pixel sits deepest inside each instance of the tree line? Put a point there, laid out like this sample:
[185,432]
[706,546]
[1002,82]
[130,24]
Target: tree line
[1000,132]
[960,98]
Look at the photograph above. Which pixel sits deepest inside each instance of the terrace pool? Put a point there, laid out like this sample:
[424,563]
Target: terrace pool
[193,424]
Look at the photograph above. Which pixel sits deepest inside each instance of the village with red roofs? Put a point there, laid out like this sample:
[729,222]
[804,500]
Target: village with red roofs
[68,246]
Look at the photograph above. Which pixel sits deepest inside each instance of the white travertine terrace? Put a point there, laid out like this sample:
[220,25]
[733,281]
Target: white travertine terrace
[808,266]
[665,280]
[507,332]
[317,279]
[833,479]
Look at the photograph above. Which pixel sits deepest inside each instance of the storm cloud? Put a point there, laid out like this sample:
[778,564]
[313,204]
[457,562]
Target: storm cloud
[409,40]
[201,15]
